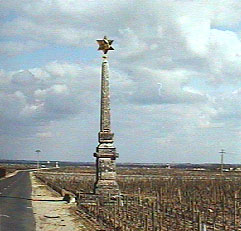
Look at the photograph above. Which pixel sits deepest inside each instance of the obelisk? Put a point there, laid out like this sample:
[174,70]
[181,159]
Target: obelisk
[105,152]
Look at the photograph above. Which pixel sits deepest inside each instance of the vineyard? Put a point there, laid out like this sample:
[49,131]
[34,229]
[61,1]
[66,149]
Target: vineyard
[161,199]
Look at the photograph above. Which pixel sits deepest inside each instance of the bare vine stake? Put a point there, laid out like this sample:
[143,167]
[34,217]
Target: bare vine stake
[146,223]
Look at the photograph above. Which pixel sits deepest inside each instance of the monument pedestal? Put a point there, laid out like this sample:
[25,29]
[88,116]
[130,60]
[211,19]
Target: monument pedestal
[106,170]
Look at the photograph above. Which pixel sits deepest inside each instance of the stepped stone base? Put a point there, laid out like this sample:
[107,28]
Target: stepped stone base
[106,173]
[107,187]
[94,199]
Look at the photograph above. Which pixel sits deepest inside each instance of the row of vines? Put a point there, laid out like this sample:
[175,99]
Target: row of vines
[193,203]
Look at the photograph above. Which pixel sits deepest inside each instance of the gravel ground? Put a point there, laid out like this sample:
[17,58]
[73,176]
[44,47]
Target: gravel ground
[51,212]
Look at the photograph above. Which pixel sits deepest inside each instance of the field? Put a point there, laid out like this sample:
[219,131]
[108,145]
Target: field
[10,168]
[161,199]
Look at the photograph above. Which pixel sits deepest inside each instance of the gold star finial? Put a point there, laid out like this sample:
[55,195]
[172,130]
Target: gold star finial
[105,44]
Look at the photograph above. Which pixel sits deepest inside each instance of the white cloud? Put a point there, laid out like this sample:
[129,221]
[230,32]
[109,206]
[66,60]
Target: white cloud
[164,49]
[29,98]
[44,135]
[12,48]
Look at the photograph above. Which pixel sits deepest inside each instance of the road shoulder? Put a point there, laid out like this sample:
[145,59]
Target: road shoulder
[9,175]
[51,212]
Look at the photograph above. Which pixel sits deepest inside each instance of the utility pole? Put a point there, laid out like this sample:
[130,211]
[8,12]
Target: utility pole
[37,151]
[221,167]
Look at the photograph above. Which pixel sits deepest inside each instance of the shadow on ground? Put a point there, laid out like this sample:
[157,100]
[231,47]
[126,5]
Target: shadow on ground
[29,199]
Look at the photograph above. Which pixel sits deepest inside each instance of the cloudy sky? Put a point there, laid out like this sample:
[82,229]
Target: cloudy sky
[175,79]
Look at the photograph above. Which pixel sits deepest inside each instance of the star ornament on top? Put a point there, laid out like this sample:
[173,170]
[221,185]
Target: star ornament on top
[105,45]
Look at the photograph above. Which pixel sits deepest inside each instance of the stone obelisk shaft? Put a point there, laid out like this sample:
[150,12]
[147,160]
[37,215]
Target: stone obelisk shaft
[105,124]
[105,134]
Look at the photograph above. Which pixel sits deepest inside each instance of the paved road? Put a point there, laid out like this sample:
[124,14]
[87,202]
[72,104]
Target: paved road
[16,212]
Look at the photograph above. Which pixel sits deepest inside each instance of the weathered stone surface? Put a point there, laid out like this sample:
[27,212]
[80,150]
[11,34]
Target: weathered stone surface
[106,175]
[105,152]
[106,137]
[105,98]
